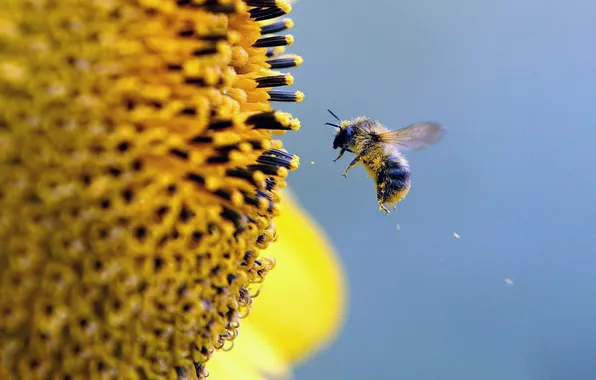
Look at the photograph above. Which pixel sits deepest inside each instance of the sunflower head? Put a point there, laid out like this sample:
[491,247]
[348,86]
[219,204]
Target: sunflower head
[139,180]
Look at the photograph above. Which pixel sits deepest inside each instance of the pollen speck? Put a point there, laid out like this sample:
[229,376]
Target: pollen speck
[456,235]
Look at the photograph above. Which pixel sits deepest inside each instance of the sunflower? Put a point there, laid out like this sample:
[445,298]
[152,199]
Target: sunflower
[139,181]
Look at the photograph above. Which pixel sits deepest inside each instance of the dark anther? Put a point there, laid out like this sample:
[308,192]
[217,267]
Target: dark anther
[235,217]
[270,52]
[182,290]
[272,81]
[140,232]
[86,178]
[214,37]
[158,263]
[216,7]
[156,105]
[223,194]
[267,169]
[271,41]
[186,32]
[250,200]
[225,149]
[218,160]
[260,3]
[261,118]
[266,120]
[186,214]
[256,144]
[198,369]
[128,195]
[199,179]
[270,184]
[263,194]
[172,188]
[218,290]
[282,63]
[174,67]
[283,96]
[130,105]
[179,153]
[162,211]
[123,146]
[201,139]
[97,265]
[204,51]
[279,153]
[195,81]
[103,233]
[275,27]
[115,171]
[189,111]
[274,161]
[260,14]
[219,125]
[242,174]
[196,236]
[137,165]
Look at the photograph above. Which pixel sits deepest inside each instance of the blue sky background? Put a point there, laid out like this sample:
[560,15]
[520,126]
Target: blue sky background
[515,83]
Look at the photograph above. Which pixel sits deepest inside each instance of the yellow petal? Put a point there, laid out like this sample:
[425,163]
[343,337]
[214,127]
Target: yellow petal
[252,358]
[302,303]
[300,307]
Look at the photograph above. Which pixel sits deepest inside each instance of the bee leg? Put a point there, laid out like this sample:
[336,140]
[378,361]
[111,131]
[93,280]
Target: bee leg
[341,153]
[352,164]
[383,208]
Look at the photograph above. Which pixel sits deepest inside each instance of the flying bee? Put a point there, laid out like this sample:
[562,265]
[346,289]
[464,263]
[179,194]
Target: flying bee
[378,150]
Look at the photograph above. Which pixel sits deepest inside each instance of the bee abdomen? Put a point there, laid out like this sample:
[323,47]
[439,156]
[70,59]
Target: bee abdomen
[393,182]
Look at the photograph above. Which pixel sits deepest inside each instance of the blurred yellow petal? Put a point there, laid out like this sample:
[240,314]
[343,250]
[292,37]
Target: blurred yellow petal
[307,290]
[253,357]
[301,305]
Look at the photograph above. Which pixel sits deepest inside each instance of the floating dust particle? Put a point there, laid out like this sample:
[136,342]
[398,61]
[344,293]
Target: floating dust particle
[456,235]
[509,281]
[312,162]
[398,227]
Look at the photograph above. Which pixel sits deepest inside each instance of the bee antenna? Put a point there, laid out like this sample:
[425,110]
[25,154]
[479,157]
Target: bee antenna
[333,125]
[334,115]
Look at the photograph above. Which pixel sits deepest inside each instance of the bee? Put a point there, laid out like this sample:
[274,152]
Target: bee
[378,150]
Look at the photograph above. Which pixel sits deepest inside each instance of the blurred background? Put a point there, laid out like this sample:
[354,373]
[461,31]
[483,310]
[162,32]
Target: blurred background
[515,82]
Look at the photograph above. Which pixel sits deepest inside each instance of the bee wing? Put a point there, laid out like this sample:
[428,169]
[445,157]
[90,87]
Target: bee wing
[415,136]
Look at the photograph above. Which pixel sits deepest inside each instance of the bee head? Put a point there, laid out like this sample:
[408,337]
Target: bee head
[344,132]
[343,137]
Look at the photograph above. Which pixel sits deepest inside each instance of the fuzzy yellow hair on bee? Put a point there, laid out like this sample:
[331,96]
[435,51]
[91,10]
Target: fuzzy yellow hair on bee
[377,148]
